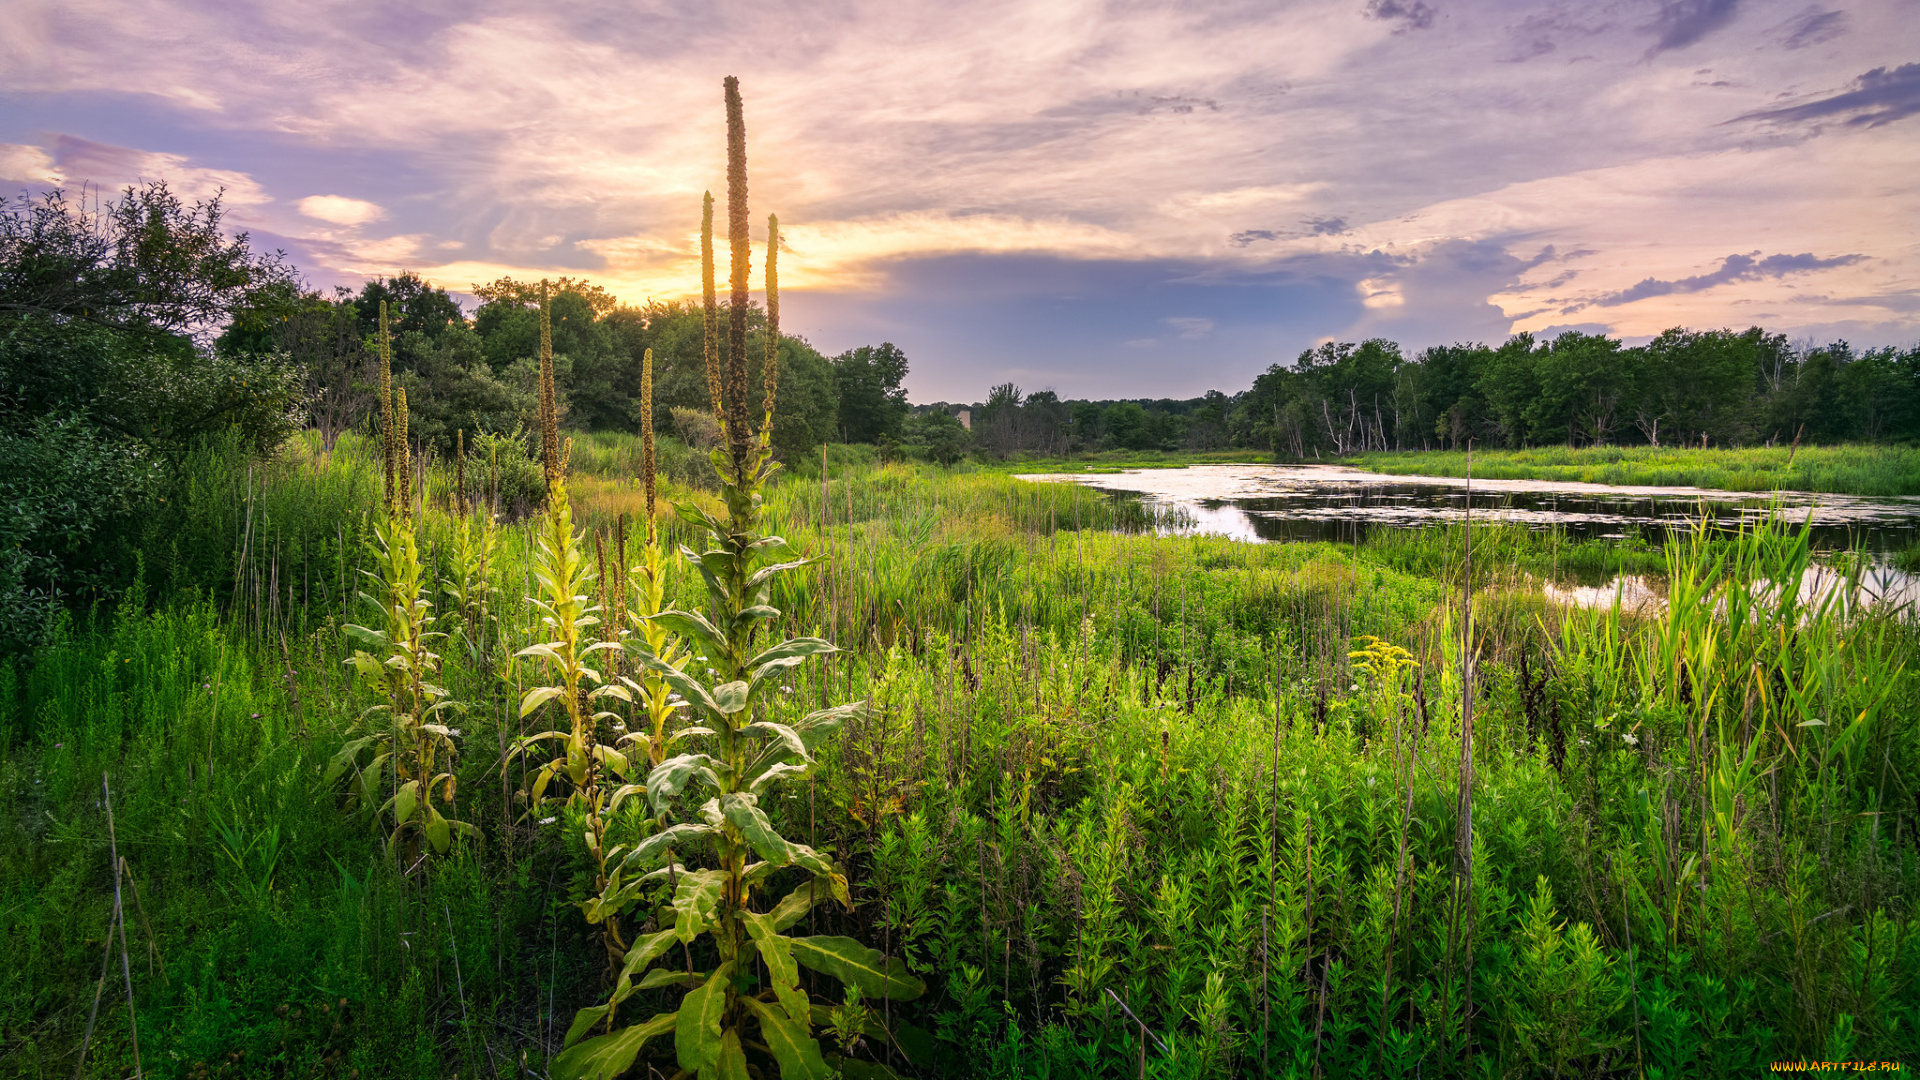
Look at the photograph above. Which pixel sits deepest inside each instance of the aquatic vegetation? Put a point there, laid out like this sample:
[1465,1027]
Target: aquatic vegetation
[1844,469]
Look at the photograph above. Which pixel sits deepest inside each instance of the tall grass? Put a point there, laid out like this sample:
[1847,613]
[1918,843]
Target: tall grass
[1847,470]
[1098,760]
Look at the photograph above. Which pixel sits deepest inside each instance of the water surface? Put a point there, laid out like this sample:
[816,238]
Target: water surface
[1328,502]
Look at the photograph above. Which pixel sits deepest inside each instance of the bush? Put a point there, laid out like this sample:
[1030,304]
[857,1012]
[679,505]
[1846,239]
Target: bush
[518,487]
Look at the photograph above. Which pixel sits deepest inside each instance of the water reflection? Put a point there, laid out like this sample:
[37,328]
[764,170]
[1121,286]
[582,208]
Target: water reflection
[1306,502]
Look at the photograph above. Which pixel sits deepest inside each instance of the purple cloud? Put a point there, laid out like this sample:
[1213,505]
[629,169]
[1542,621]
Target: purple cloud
[1735,268]
[1878,97]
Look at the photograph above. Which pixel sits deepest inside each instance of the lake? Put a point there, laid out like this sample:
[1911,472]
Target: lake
[1328,502]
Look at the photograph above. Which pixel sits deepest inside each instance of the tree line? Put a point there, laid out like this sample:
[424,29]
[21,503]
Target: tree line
[1683,388]
[479,374]
[134,329]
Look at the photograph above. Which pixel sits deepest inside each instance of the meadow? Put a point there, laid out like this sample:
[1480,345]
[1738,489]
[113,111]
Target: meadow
[1231,786]
[1845,469]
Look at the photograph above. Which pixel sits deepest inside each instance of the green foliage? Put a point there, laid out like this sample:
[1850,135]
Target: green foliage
[872,401]
[1069,756]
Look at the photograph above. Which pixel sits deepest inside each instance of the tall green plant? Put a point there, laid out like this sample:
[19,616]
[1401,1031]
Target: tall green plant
[720,1021]
[586,765]
[650,594]
[410,746]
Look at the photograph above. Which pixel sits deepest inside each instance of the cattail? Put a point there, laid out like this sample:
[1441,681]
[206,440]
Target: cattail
[549,421]
[647,463]
[402,459]
[771,370]
[386,402]
[710,318]
[740,261]
[460,469]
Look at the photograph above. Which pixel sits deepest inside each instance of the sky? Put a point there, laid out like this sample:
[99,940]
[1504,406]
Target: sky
[1106,199]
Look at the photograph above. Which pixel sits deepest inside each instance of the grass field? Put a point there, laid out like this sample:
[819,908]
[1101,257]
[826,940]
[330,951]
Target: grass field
[1227,783]
[1846,470]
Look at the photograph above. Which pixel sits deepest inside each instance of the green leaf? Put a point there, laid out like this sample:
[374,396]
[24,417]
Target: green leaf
[694,901]
[347,758]
[777,953]
[607,1056]
[537,697]
[583,1022]
[693,627]
[794,906]
[791,1042]
[438,833]
[682,683]
[731,1063]
[743,812]
[766,775]
[405,801]
[722,598]
[784,735]
[759,576]
[821,722]
[792,648]
[660,977]
[772,669]
[646,951]
[544,650]
[693,514]
[729,698]
[657,844]
[856,965]
[670,776]
[696,1030]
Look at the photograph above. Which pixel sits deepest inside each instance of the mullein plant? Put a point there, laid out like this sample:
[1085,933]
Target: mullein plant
[650,597]
[722,1022]
[587,766]
[411,747]
[474,547]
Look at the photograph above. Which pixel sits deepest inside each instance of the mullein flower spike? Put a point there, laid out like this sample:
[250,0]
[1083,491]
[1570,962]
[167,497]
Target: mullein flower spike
[771,369]
[710,311]
[385,348]
[647,462]
[402,458]
[739,264]
[549,419]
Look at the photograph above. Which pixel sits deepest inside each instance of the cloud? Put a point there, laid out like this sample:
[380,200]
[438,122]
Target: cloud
[1735,268]
[28,164]
[1879,97]
[340,210]
[1414,15]
[1813,27]
[1681,23]
[1233,154]
[112,167]
[1191,327]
